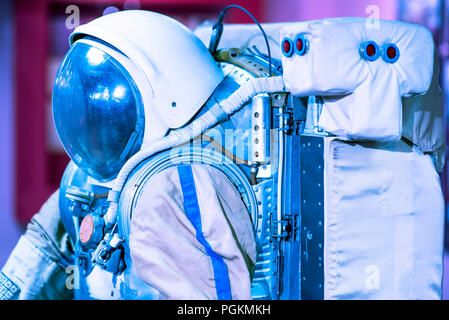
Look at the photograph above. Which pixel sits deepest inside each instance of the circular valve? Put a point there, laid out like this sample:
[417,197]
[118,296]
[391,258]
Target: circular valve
[370,51]
[301,44]
[287,47]
[390,53]
[91,230]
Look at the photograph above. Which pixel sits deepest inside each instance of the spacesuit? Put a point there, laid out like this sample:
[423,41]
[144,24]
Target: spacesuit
[234,174]
[121,88]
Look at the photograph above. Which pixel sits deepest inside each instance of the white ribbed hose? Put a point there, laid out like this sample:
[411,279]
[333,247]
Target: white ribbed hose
[180,136]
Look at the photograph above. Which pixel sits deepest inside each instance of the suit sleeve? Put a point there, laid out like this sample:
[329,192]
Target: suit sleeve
[36,268]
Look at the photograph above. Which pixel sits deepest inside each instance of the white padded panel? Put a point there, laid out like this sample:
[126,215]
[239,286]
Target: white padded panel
[384,228]
[362,99]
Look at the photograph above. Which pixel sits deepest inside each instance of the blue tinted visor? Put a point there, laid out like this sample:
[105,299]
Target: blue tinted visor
[97,110]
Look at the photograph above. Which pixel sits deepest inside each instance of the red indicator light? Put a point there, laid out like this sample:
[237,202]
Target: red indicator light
[370,50]
[299,44]
[286,46]
[391,52]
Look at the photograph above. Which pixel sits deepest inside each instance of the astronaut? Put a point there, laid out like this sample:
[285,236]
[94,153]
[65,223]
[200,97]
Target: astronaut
[134,84]
[235,174]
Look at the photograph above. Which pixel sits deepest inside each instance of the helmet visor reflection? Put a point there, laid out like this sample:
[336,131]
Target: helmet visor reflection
[97,110]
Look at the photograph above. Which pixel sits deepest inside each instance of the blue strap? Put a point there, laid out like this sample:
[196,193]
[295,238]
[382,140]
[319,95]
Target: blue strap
[192,210]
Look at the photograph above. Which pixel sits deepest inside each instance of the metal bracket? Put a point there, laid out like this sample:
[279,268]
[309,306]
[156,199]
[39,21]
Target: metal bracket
[80,200]
[289,227]
[312,217]
[279,99]
[256,66]
[260,128]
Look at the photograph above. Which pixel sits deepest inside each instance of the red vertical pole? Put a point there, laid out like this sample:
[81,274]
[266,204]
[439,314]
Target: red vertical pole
[30,72]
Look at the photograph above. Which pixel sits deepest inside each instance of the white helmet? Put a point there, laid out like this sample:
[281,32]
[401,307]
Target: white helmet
[128,78]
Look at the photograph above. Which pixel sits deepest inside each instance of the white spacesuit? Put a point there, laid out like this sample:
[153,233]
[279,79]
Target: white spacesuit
[234,174]
[128,80]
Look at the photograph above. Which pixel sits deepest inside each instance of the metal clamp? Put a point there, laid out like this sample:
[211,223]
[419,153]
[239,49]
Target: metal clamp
[105,249]
[289,227]
[285,122]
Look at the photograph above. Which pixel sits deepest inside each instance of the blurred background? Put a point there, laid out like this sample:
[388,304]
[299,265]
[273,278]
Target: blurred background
[34,38]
